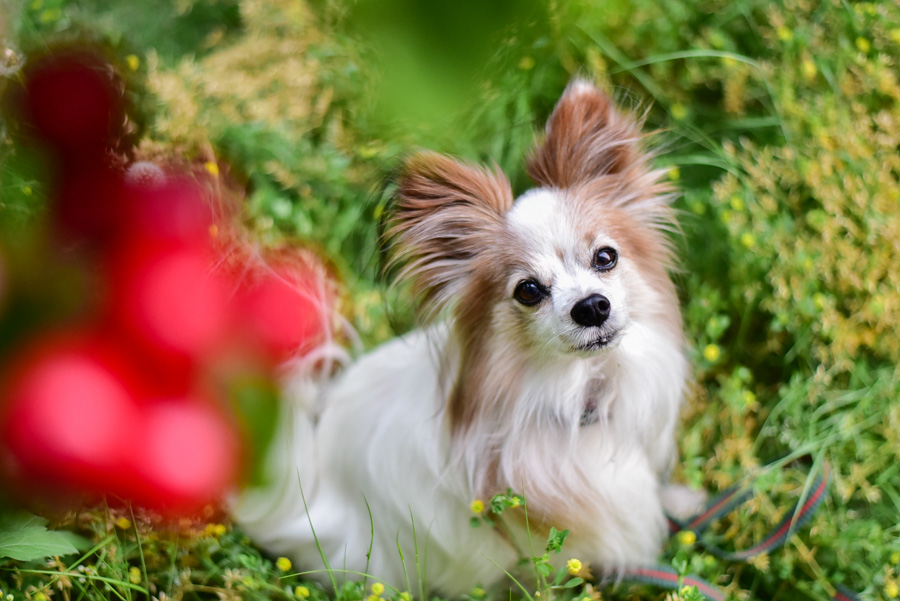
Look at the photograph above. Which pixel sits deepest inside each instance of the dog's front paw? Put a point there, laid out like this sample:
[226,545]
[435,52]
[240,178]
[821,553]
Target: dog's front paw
[682,502]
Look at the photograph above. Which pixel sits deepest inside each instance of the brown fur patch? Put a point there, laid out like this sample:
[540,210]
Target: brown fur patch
[447,213]
[585,138]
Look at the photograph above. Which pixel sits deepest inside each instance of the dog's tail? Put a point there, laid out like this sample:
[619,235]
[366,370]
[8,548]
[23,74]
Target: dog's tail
[286,485]
[269,511]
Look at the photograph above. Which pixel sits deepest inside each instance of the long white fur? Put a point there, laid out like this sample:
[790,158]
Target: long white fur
[382,441]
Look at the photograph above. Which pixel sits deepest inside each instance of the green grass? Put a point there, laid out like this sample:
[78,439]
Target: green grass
[781,123]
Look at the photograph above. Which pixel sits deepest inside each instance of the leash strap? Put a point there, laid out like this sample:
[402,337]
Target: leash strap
[789,525]
[667,578]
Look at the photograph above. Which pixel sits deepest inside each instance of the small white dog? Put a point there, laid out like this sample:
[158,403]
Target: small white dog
[559,375]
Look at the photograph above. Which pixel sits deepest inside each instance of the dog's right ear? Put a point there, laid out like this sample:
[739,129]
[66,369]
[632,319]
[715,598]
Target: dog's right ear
[447,214]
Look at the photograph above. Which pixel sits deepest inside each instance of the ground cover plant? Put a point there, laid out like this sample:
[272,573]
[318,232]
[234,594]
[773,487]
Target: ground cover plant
[780,123]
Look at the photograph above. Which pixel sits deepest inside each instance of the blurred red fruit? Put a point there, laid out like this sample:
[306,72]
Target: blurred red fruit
[187,456]
[169,298]
[173,209]
[71,102]
[284,311]
[70,415]
[90,202]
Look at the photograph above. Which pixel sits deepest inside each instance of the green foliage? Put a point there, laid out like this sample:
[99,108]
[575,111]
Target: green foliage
[24,537]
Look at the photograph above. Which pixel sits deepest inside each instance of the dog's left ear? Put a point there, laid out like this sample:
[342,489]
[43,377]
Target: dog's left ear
[586,138]
[447,214]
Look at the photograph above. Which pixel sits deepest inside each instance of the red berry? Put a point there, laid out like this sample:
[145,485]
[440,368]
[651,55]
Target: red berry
[71,415]
[284,312]
[173,209]
[168,296]
[90,202]
[72,104]
[187,456]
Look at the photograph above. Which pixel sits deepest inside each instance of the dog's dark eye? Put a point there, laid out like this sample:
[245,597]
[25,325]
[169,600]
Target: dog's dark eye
[605,259]
[529,293]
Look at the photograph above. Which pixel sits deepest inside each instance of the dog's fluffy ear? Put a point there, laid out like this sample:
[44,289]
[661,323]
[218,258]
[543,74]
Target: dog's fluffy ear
[446,215]
[586,138]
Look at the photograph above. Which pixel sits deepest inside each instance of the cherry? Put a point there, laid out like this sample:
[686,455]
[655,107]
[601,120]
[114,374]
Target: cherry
[186,456]
[169,298]
[283,310]
[70,414]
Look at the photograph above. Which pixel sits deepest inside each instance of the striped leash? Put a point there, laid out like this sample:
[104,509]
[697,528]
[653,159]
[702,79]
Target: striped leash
[668,578]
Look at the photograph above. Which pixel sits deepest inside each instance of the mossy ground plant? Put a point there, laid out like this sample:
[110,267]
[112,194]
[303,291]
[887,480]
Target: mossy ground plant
[780,123]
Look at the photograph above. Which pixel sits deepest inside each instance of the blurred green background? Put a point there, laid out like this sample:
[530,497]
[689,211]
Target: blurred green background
[779,122]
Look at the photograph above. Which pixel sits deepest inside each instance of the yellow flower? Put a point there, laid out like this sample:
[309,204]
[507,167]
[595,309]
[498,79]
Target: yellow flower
[573,566]
[891,590]
[712,352]
[377,588]
[761,562]
[737,203]
[50,15]
[212,168]
[526,64]
[477,592]
[809,69]
[283,564]
[749,398]
[895,557]
[133,62]
[477,506]
[216,530]
[674,174]
[863,45]
[687,537]
[123,523]
[134,575]
[685,590]
[678,111]
[785,34]
[727,216]
[302,592]
[515,502]
[748,239]
[405,596]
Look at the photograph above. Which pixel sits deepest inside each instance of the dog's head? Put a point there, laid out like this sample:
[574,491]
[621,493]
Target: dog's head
[569,266]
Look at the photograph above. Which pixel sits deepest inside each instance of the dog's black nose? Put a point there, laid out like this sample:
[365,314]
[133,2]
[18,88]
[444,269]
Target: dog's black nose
[591,311]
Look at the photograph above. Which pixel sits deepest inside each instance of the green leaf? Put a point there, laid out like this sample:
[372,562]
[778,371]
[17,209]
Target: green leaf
[556,539]
[24,537]
[573,582]
[560,575]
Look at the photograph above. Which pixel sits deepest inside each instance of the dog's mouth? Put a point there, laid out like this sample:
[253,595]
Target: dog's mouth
[604,340]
